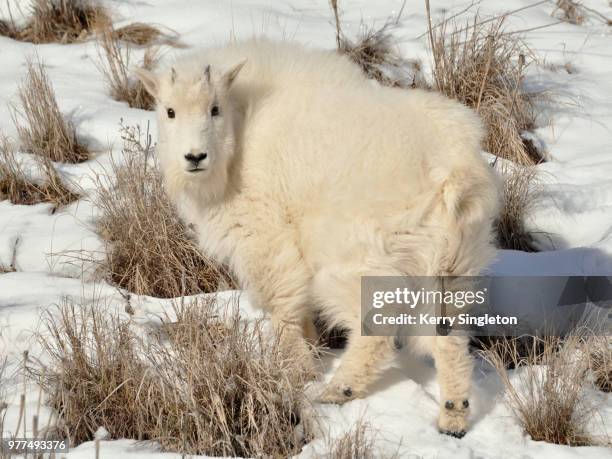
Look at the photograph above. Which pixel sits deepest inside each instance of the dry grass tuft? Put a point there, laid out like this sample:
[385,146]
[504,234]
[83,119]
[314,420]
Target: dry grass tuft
[570,11]
[358,443]
[114,65]
[375,53]
[69,21]
[19,188]
[250,396]
[46,133]
[546,393]
[15,185]
[207,383]
[93,373]
[517,198]
[601,363]
[355,444]
[149,250]
[142,34]
[483,67]
[57,21]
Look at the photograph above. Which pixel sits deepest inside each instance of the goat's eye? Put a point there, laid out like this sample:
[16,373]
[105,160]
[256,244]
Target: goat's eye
[214,111]
[171,113]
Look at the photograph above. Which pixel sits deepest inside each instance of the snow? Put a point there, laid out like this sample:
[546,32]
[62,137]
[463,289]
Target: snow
[573,217]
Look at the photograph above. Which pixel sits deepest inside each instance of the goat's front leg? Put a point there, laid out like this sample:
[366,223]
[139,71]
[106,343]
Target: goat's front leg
[288,320]
[454,367]
[362,364]
[279,281]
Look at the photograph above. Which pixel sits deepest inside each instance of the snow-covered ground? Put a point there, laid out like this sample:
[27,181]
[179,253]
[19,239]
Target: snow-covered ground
[573,216]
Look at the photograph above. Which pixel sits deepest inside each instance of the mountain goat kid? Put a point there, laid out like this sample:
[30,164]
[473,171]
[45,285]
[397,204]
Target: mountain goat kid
[303,176]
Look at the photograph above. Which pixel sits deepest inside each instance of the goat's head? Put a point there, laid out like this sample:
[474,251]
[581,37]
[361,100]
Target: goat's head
[195,124]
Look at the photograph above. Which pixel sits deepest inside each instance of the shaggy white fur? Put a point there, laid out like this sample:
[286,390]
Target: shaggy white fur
[304,176]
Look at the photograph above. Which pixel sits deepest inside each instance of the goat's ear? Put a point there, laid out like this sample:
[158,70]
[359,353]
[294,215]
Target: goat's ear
[229,76]
[149,80]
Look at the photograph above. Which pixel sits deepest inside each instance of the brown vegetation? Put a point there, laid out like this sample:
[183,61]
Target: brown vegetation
[546,392]
[206,382]
[483,67]
[601,363]
[142,34]
[41,126]
[19,188]
[69,21]
[577,12]
[518,197]
[57,21]
[114,64]
[358,443]
[570,11]
[376,55]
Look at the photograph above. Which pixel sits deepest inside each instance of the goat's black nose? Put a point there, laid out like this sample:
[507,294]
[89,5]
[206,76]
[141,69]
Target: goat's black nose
[195,159]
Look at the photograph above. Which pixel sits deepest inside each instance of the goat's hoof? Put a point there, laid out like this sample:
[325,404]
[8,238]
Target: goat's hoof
[338,393]
[334,395]
[453,433]
[453,419]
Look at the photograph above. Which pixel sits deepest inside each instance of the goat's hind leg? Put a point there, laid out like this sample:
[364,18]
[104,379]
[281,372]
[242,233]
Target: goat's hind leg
[454,367]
